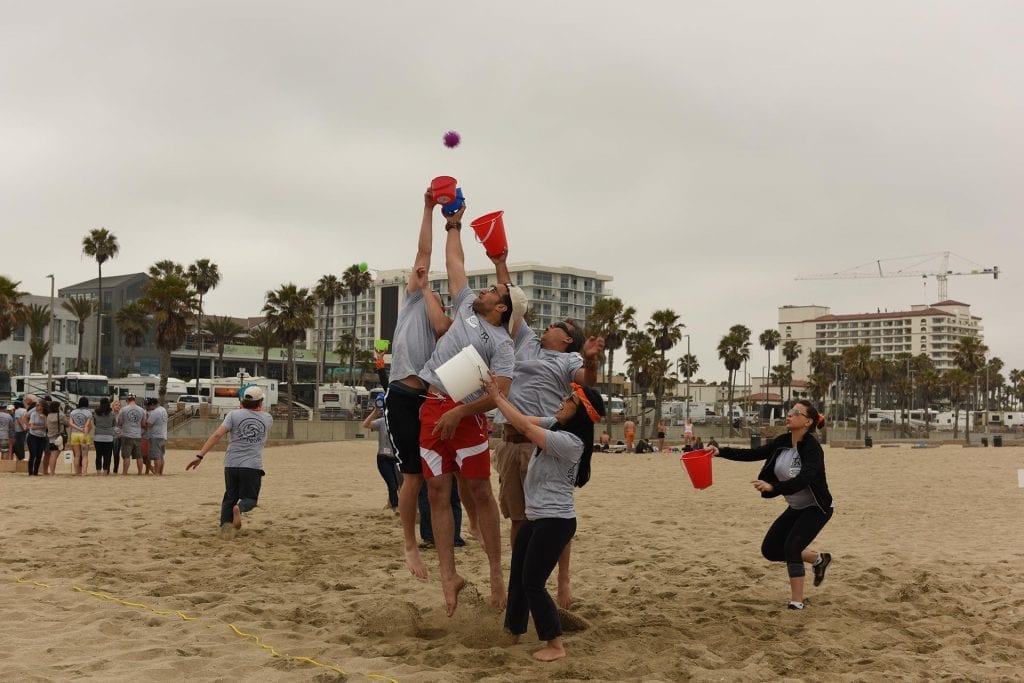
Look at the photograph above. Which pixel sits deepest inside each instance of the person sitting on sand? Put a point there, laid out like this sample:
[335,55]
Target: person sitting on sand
[795,468]
[564,444]
[243,461]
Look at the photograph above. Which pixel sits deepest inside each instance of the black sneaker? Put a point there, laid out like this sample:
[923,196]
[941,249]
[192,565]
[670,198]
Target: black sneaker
[819,569]
[796,605]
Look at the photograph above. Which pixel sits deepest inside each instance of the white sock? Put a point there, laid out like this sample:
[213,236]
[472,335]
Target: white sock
[796,605]
[817,560]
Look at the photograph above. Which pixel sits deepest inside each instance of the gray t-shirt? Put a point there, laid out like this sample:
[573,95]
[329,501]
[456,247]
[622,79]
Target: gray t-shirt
[414,338]
[156,423]
[383,440]
[248,430]
[104,425]
[130,421]
[492,343]
[787,466]
[37,423]
[6,423]
[78,418]
[541,377]
[551,476]
[18,414]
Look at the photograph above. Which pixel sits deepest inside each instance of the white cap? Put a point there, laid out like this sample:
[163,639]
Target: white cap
[253,393]
[518,297]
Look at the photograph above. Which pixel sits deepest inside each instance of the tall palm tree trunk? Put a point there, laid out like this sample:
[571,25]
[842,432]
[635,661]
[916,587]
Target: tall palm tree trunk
[99,314]
[199,343]
[291,396]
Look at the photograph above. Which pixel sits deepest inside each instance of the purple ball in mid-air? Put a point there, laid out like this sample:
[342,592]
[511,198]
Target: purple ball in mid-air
[451,139]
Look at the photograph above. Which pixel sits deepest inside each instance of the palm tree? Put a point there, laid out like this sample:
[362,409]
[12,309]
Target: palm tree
[666,331]
[328,290]
[612,320]
[969,356]
[356,282]
[38,349]
[203,275]
[1015,378]
[769,340]
[734,350]
[862,372]
[101,244]
[223,329]
[290,311]
[81,307]
[958,385]
[133,322]
[687,366]
[13,313]
[265,338]
[38,318]
[641,360]
[791,351]
[172,303]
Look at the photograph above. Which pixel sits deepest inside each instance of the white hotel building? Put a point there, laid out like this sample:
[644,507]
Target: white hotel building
[929,329]
[553,292]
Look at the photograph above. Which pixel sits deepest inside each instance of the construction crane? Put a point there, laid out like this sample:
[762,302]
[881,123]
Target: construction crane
[874,269]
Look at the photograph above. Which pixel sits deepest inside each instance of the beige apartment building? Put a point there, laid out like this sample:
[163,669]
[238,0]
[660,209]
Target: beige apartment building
[929,329]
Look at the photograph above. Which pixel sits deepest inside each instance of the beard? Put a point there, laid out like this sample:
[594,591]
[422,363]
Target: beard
[478,308]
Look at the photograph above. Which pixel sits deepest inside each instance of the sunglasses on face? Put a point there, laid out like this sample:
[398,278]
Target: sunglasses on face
[795,412]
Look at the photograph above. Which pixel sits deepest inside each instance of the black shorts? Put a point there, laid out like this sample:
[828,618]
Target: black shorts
[402,418]
[661,435]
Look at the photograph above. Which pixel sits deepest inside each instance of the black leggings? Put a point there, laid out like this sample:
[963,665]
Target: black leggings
[37,446]
[539,543]
[104,449]
[790,534]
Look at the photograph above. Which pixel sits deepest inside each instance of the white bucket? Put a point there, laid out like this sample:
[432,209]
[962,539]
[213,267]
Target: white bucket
[68,455]
[462,374]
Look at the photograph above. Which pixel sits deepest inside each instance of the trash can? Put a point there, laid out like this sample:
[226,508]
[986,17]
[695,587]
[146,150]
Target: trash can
[868,443]
[755,440]
[984,441]
[997,441]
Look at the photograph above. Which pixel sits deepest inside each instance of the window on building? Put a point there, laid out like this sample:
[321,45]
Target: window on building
[3,360]
[540,278]
[71,331]
[19,334]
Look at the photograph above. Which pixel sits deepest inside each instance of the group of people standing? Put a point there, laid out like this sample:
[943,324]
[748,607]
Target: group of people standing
[41,428]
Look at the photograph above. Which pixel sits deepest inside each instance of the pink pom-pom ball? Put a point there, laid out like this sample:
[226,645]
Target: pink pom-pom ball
[451,139]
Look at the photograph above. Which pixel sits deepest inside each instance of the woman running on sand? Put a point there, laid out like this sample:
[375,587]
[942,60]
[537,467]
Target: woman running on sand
[562,460]
[794,468]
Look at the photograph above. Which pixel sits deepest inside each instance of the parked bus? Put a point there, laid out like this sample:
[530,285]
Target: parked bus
[67,388]
[147,386]
[223,391]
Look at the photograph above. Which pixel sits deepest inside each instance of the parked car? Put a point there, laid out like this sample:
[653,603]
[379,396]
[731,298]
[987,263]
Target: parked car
[192,403]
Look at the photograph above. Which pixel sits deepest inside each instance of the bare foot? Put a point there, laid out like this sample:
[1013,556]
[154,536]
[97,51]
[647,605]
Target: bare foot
[227,532]
[549,653]
[236,517]
[451,593]
[414,563]
[499,594]
[564,597]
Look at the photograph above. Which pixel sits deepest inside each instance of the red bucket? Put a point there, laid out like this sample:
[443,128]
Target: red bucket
[443,189]
[490,232]
[698,466]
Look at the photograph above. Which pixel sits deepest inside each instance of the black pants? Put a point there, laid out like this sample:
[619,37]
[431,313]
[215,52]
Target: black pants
[117,454]
[19,445]
[539,543]
[241,488]
[790,534]
[37,446]
[104,449]
[388,468]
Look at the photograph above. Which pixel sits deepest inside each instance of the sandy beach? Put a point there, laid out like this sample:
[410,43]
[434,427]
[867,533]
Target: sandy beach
[126,579]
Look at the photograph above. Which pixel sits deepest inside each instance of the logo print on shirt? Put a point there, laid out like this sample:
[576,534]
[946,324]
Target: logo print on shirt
[250,430]
[472,321]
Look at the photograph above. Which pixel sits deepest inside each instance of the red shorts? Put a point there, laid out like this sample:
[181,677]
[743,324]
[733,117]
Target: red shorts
[467,452]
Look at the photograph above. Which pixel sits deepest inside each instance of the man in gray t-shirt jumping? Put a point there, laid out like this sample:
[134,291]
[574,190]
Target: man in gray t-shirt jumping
[249,427]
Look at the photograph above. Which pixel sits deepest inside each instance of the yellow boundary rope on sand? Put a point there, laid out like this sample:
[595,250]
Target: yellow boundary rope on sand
[184,617]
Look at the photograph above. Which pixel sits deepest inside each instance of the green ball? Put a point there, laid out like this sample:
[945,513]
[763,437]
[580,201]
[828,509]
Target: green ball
[363,267]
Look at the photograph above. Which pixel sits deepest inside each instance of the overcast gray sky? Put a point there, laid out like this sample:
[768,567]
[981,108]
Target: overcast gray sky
[703,154]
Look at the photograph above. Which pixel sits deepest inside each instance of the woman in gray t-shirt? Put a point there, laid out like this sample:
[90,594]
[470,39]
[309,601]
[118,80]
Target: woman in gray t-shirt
[561,462]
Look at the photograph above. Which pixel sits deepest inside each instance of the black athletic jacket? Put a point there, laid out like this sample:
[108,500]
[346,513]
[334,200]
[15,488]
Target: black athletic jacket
[812,467]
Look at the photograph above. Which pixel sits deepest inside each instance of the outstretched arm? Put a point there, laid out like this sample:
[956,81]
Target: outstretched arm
[528,426]
[210,443]
[455,259]
[588,373]
[425,242]
[500,269]
[432,300]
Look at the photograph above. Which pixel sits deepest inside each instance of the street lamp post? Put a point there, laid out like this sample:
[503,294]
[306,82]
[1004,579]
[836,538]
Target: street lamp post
[49,360]
[687,368]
